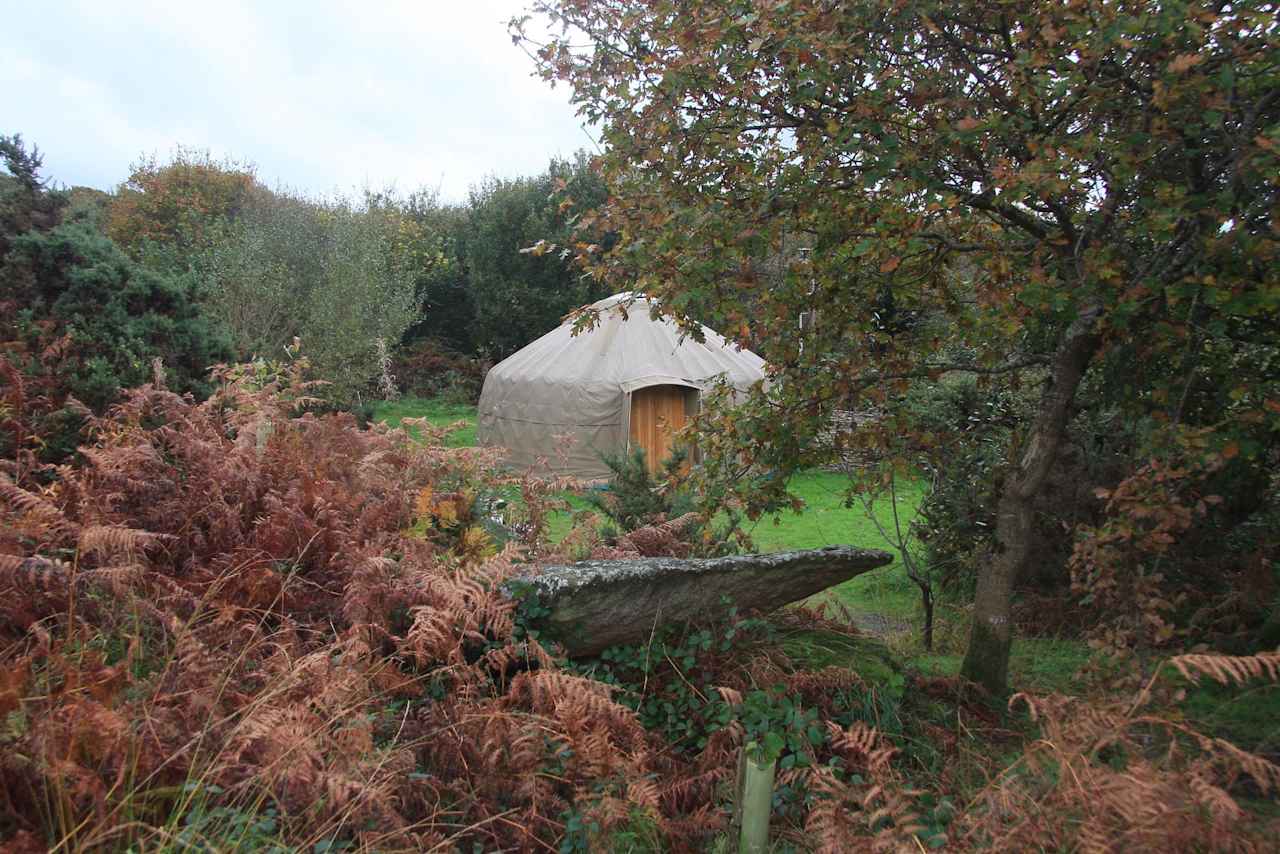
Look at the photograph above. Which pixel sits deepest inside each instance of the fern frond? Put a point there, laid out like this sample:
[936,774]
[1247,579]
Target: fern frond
[1229,669]
[46,518]
[107,541]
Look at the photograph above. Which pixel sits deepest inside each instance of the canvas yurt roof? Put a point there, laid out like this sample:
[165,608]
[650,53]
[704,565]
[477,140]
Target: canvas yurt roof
[582,384]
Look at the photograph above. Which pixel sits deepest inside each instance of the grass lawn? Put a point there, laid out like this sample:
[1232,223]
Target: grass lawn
[437,413]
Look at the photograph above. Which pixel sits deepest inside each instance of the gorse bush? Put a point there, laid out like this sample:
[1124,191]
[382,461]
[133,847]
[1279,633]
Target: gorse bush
[108,315]
[79,319]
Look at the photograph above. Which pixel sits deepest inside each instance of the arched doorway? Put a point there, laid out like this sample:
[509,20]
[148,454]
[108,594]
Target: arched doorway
[657,413]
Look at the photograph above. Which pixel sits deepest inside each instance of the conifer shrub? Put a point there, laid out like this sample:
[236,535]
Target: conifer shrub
[654,515]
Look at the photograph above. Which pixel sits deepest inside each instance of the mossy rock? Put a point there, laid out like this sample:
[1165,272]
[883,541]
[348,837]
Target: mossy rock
[814,649]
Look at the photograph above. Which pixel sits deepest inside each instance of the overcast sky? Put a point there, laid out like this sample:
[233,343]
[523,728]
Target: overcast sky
[320,95]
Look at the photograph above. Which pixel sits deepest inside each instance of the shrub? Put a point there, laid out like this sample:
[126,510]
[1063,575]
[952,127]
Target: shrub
[966,428]
[239,623]
[654,515]
[79,319]
[114,316]
[330,271]
[430,368]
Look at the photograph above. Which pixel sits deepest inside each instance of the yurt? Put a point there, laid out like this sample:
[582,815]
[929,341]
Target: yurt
[631,381]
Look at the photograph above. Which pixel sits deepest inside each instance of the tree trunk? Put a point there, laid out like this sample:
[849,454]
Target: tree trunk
[926,597]
[987,659]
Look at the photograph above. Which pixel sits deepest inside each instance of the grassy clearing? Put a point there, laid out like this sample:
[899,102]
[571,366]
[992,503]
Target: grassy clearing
[825,521]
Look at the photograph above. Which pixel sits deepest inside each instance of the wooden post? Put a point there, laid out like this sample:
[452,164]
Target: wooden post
[754,801]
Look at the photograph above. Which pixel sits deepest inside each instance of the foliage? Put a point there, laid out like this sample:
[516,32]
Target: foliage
[1166,535]
[110,317]
[1026,187]
[436,234]
[26,203]
[698,688]
[260,277]
[654,514]
[80,320]
[308,619]
[336,275]
[365,293]
[1118,775]
[265,590]
[185,203]
[519,294]
[429,368]
[237,622]
[636,497]
[958,431]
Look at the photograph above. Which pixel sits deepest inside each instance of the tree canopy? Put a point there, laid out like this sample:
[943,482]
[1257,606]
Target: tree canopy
[1045,183]
[182,203]
[520,294]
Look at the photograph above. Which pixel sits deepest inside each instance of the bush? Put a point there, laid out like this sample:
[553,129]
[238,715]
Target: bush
[329,271]
[79,319]
[236,623]
[967,430]
[969,427]
[114,317]
[430,368]
[82,321]
[635,502]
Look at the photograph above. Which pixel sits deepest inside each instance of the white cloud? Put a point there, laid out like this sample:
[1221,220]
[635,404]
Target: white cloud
[320,95]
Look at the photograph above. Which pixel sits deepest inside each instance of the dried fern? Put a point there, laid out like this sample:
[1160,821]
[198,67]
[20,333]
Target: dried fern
[1229,669]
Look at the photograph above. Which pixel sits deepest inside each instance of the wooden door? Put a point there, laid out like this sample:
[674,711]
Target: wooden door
[657,412]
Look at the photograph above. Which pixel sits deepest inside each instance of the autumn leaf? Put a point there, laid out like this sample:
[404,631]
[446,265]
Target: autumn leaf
[422,504]
[1185,61]
[890,264]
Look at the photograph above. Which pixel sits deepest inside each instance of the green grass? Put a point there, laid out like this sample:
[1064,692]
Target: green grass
[1247,715]
[438,413]
[825,521]
[1041,665]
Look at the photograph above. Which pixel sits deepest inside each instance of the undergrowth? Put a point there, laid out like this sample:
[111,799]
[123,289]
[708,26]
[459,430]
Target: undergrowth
[239,625]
